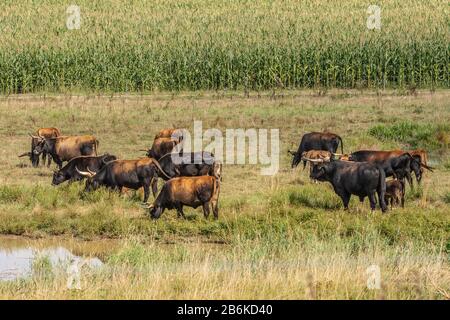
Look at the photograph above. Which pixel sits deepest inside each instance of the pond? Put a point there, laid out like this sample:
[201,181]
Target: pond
[18,255]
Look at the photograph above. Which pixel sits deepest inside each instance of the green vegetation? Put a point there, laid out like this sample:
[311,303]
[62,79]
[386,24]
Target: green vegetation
[277,237]
[136,46]
[414,135]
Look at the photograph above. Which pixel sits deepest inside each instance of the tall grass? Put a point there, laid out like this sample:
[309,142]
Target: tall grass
[414,134]
[166,45]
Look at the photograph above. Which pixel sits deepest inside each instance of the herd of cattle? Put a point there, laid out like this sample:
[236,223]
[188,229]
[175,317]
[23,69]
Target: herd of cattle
[195,180]
[362,173]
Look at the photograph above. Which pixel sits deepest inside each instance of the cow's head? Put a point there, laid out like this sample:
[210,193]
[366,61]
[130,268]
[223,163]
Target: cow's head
[34,154]
[108,157]
[91,182]
[296,158]
[155,211]
[58,177]
[320,168]
[44,144]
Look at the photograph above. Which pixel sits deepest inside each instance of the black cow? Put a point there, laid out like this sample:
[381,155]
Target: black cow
[397,164]
[84,163]
[358,178]
[316,141]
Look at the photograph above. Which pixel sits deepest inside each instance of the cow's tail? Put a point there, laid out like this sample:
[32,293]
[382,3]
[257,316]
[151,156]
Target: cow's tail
[342,144]
[381,190]
[96,143]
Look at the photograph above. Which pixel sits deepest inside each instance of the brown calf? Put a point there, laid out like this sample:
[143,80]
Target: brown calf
[395,192]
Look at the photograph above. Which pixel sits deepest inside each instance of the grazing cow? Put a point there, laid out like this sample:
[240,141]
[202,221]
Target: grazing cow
[316,141]
[395,192]
[35,139]
[161,147]
[132,174]
[397,163]
[188,191]
[347,178]
[65,148]
[69,171]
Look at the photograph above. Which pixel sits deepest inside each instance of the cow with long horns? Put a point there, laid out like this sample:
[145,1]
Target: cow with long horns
[42,133]
[132,174]
[352,178]
[316,141]
[69,171]
[65,148]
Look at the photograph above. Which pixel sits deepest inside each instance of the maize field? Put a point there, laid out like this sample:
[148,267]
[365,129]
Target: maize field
[143,46]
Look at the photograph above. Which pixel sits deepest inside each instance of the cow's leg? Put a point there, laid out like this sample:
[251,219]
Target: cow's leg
[44,157]
[345,196]
[206,209]
[154,184]
[146,192]
[180,212]
[49,161]
[372,200]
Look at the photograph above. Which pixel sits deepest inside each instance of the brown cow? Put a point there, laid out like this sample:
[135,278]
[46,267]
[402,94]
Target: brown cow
[188,191]
[131,174]
[40,134]
[395,192]
[65,148]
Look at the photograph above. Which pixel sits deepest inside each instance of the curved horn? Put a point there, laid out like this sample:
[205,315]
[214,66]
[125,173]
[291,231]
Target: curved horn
[292,152]
[35,137]
[159,168]
[83,173]
[91,172]
[313,160]
[25,154]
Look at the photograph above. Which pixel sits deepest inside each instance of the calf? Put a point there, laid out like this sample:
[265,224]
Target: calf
[395,193]
[84,163]
[188,191]
[347,178]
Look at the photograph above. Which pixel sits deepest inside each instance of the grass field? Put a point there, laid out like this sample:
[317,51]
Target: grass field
[277,237]
[141,46]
